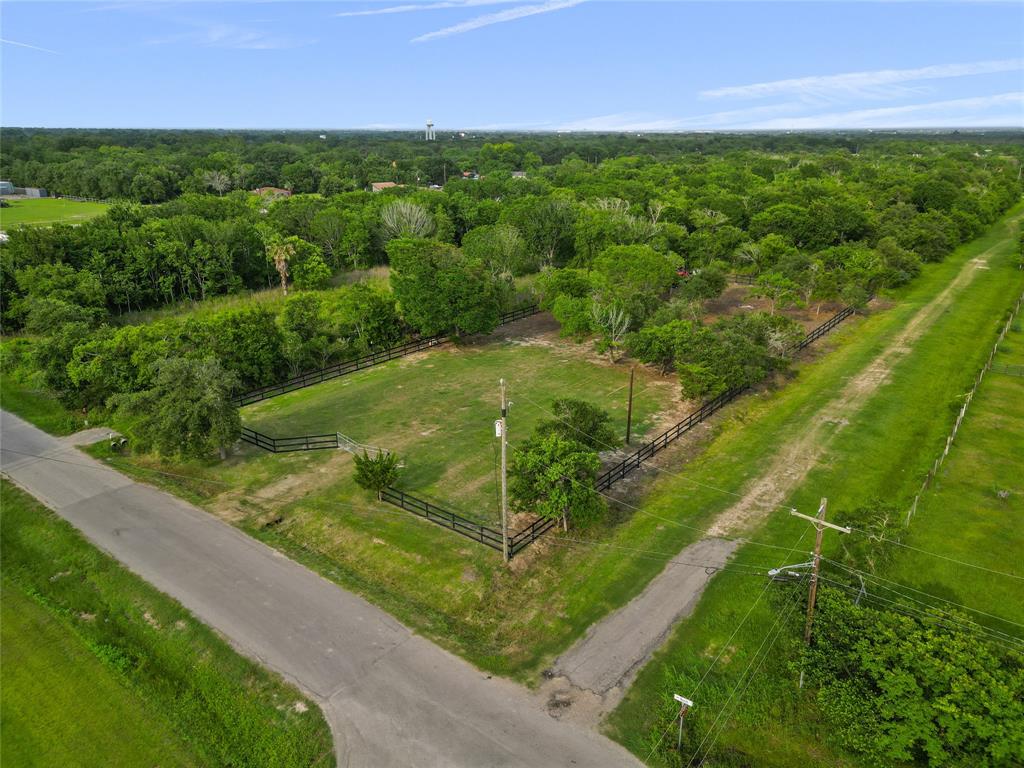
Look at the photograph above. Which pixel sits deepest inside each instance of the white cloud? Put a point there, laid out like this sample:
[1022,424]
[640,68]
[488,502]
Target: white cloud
[26,45]
[1004,109]
[644,122]
[412,7]
[500,17]
[883,83]
[216,35]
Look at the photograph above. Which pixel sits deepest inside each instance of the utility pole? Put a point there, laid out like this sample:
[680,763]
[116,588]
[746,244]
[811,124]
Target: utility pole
[503,429]
[684,707]
[629,408]
[820,526]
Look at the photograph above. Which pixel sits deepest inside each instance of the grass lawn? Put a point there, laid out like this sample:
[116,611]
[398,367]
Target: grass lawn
[985,461]
[62,706]
[436,411]
[99,668]
[48,210]
[452,589]
[883,453]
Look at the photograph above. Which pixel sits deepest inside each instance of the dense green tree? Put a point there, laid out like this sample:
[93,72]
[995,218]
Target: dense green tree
[553,477]
[187,412]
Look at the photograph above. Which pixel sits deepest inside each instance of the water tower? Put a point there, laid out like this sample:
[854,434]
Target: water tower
[431,136]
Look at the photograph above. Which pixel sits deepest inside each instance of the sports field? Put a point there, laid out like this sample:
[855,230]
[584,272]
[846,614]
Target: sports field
[47,210]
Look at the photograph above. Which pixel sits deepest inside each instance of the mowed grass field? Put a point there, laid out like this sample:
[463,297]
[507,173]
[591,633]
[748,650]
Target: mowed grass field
[747,701]
[62,707]
[99,668]
[48,210]
[974,511]
[436,410]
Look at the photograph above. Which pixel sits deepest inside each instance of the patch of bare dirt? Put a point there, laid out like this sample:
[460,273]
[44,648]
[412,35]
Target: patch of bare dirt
[736,300]
[228,506]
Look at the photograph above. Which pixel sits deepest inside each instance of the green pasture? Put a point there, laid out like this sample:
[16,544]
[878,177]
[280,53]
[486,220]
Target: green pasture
[62,706]
[99,668]
[883,454]
[437,412]
[48,210]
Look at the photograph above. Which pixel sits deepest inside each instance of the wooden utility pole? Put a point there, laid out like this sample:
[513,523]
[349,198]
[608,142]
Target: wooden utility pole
[503,429]
[820,526]
[629,407]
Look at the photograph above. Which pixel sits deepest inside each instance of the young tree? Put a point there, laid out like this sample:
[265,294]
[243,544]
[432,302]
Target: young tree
[375,473]
[613,322]
[780,291]
[280,252]
[187,412]
[554,478]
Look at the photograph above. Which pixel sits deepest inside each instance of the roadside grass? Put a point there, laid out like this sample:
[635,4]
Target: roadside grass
[48,210]
[63,706]
[172,671]
[883,454]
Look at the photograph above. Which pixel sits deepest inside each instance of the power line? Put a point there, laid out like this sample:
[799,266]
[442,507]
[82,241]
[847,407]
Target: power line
[991,635]
[725,646]
[779,506]
[921,592]
[777,629]
[936,554]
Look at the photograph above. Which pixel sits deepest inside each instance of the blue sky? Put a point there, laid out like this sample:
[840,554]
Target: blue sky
[522,64]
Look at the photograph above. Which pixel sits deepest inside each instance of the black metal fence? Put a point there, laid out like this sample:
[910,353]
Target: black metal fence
[824,328]
[450,520]
[483,534]
[743,279]
[336,370]
[658,444]
[519,540]
[662,441]
[288,444]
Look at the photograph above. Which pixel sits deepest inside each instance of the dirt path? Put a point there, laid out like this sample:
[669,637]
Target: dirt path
[590,678]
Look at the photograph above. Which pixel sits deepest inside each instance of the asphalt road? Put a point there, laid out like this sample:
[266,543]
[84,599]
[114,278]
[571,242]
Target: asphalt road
[391,697]
[616,647]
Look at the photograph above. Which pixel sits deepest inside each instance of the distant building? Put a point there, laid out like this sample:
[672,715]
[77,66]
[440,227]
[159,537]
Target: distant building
[6,188]
[518,174]
[32,191]
[379,186]
[272,192]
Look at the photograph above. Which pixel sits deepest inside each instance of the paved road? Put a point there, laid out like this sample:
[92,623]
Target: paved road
[613,650]
[391,697]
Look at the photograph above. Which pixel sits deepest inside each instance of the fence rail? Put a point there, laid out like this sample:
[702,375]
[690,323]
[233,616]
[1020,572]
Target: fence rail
[289,444]
[346,367]
[706,410]
[443,517]
[742,279]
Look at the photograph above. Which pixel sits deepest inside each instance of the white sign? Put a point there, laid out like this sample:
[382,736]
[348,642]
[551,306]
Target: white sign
[497,427]
[682,700]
